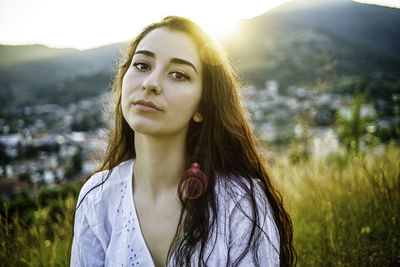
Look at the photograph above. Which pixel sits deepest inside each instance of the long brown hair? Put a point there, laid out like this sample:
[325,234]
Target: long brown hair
[223,144]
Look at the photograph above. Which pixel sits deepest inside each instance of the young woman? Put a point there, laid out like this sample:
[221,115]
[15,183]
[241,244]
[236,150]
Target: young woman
[181,183]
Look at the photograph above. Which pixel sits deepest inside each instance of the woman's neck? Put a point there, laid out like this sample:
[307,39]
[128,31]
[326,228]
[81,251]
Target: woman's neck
[159,164]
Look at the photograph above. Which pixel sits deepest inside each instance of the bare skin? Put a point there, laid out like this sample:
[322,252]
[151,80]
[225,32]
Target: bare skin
[158,224]
[157,74]
[157,204]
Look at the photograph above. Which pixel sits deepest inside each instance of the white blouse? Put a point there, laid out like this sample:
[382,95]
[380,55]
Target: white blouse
[107,230]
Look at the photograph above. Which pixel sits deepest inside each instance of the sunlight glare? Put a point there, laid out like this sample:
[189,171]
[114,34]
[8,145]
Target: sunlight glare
[92,23]
[390,3]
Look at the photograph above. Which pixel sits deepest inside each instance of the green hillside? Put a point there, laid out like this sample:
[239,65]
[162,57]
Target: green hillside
[321,45]
[12,55]
[328,46]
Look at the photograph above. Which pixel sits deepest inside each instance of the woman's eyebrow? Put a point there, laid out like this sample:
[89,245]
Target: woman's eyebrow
[145,52]
[173,60]
[185,62]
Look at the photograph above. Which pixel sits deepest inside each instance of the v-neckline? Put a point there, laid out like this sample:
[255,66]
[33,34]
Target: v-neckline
[133,207]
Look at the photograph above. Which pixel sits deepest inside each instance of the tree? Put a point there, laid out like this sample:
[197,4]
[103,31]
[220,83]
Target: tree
[75,165]
[354,127]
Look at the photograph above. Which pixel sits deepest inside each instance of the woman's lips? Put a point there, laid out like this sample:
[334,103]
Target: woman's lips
[146,105]
[145,108]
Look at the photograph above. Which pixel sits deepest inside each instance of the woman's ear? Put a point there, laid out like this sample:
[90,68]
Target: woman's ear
[198,117]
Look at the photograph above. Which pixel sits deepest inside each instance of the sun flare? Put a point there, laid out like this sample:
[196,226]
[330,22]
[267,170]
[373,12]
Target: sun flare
[92,23]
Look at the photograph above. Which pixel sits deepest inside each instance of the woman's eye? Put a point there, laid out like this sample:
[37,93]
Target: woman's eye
[180,76]
[141,66]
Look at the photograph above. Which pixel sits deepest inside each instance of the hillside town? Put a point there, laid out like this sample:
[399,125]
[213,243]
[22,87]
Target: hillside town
[50,144]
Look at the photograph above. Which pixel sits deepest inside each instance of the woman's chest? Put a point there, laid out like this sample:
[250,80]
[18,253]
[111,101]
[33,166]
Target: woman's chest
[158,225]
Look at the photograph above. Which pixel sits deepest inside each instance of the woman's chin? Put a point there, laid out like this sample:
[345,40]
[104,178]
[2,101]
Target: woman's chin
[144,129]
[152,130]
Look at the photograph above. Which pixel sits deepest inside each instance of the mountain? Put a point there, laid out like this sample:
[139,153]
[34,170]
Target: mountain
[41,74]
[12,55]
[325,45]
[371,25]
[54,65]
[320,45]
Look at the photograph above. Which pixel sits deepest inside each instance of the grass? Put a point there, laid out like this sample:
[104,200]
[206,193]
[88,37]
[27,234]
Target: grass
[38,238]
[345,211]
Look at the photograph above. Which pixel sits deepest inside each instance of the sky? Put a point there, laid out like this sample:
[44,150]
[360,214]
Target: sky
[84,24]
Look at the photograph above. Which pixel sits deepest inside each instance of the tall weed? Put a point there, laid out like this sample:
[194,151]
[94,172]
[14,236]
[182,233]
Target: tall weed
[345,212]
[345,208]
[43,241]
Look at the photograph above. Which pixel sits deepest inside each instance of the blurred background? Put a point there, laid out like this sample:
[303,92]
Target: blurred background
[321,83]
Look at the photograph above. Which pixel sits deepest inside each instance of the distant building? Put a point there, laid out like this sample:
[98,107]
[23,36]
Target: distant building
[10,143]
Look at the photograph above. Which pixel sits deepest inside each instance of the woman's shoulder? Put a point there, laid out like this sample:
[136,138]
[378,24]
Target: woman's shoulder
[239,197]
[105,183]
[235,190]
[242,203]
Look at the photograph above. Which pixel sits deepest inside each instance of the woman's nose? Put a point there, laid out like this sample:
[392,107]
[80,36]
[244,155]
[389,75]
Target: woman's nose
[151,83]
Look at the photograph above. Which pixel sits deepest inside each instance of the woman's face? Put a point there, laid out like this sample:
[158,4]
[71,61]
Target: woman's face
[165,70]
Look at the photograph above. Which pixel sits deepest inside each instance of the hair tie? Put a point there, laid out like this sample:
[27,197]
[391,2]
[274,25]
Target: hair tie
[193,182]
